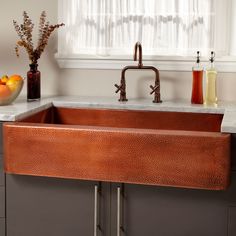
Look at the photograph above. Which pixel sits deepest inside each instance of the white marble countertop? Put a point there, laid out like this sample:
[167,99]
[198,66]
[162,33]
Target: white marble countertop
[21,108]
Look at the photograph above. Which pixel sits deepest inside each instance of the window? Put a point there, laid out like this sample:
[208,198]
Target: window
[110,28]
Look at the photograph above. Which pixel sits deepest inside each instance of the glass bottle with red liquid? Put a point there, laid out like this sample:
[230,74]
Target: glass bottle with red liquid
[33,83]
[197,89]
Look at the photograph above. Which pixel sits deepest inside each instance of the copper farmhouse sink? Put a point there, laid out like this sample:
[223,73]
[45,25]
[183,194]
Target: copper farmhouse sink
[143,147]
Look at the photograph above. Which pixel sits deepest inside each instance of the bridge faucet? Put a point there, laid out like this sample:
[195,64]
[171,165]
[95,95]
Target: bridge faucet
[122,86]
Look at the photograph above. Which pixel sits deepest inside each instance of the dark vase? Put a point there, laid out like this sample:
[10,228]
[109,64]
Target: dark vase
[33,83]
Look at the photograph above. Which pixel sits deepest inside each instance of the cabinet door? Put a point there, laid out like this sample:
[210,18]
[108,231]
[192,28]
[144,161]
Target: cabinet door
[2,189]
[2,201]
[1,139]
[2,176]
[152,211]
[2,227]
[42,206]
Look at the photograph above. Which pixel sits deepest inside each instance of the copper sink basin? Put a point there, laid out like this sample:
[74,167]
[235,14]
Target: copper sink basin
[142,147]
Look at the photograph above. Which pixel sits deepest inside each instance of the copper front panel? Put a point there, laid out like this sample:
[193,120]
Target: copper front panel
[144,156]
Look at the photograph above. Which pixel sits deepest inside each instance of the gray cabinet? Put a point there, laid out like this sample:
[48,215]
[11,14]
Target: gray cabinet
[2,189]
[2,176]
[42,206]
[47,206]
[149,210]
[2,227]
[232,221]
[2,201]
[1,141]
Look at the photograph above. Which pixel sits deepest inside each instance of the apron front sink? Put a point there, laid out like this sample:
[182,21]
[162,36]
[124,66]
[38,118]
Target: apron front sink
[141,147]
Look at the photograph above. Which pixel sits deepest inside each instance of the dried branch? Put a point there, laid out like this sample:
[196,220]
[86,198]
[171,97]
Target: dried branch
[41,26]
[28,29]
[25,33]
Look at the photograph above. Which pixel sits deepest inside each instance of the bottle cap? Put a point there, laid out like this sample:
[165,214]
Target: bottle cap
[198,57]
[212,58]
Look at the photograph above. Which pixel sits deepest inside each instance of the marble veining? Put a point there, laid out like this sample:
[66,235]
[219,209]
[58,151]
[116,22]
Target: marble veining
[21,108]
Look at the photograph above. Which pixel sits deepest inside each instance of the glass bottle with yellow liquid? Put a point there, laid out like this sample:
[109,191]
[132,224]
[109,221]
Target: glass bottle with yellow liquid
[211,75]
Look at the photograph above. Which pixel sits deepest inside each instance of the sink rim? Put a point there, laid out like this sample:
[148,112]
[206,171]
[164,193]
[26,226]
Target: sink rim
[130,118]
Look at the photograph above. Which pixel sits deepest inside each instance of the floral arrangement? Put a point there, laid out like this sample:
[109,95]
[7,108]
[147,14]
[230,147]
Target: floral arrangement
[25,33]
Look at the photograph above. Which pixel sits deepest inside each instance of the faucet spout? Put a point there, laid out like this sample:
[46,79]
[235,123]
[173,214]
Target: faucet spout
[138,48]
[122,87]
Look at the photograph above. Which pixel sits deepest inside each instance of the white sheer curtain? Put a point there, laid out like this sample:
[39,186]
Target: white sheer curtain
[111,27]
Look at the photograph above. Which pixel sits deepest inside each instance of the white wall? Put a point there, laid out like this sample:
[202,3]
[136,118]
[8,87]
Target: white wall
[57,81]
[9,64]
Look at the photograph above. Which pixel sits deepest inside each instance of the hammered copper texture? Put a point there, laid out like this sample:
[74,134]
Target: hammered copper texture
[139,119]
[45,116]
[143,156]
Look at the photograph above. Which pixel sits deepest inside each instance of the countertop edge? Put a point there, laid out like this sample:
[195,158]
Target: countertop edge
[22,109]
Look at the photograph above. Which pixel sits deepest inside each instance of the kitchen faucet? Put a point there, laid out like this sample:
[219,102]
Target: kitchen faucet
[122,86]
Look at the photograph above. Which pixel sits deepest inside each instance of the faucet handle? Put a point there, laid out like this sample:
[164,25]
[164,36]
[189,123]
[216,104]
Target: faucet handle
[154,88]
[119,87]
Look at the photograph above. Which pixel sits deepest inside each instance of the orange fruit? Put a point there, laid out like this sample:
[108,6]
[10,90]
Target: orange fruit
[15,77]
[13,85]
[14,82]
[4,78]
[5,92]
